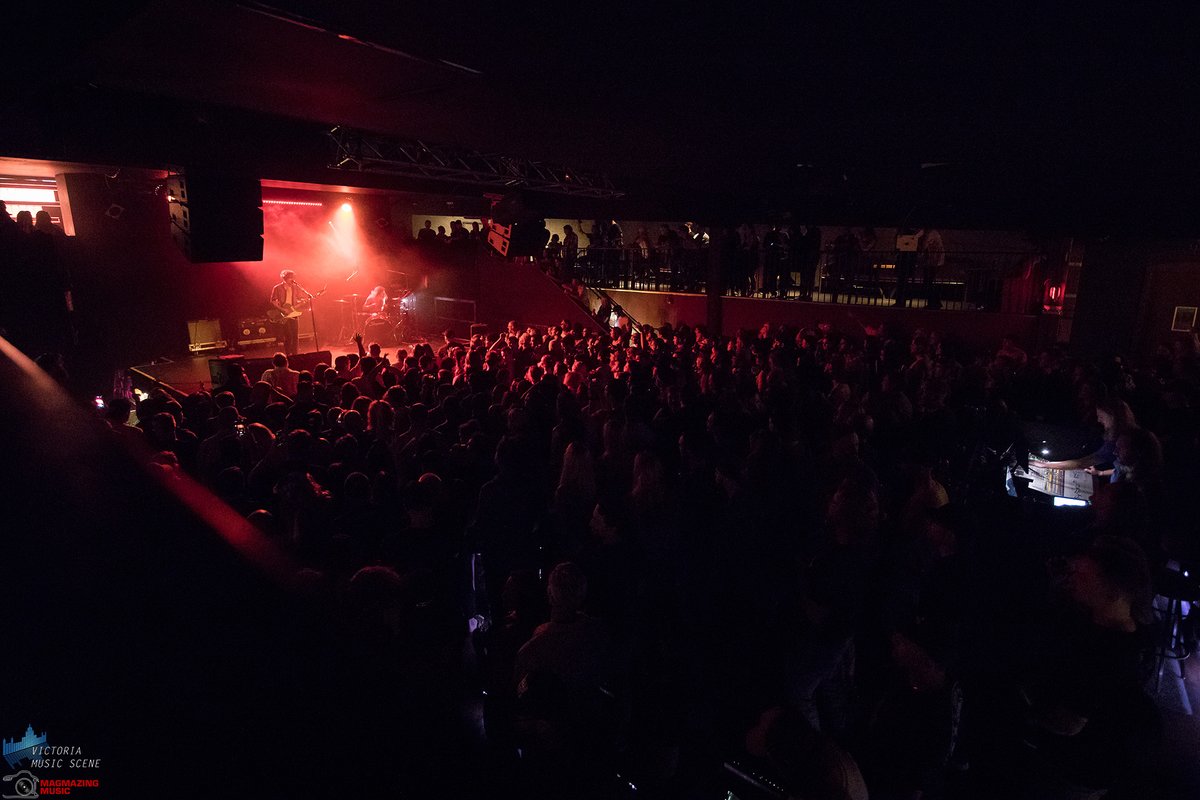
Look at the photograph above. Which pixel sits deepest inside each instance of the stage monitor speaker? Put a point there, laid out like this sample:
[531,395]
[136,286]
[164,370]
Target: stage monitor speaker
[216,215]
[479,329]
[255,367]
[309,361]
[218,368]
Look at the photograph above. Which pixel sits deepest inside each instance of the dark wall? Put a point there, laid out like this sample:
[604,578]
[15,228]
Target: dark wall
[521,292]
[1167,286]
[974,329]
[1128,290]
[1110,290]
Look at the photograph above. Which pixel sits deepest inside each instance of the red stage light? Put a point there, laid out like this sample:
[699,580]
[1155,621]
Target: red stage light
[291,203]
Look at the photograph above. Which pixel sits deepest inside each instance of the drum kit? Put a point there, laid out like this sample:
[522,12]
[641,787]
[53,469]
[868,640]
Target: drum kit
[390,325]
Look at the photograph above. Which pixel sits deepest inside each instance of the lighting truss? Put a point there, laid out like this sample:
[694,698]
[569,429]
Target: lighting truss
[412,158]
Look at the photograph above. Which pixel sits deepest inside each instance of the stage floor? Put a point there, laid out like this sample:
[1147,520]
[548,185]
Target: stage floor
[190,373]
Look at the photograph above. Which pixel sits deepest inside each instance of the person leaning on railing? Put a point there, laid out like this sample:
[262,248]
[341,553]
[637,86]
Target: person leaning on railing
[843,262]
[932,254]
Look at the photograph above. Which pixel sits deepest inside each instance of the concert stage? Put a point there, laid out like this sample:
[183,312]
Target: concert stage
[193,373]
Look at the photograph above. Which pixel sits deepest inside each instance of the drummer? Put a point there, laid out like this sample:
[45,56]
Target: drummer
[376,302]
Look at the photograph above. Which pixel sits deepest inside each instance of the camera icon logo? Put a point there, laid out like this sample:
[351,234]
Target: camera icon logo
[23,785]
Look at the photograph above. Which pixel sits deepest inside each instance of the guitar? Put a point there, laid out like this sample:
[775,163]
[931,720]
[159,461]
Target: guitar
[294,310]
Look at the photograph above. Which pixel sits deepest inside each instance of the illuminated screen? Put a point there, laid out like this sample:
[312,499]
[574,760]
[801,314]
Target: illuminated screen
[1060,502]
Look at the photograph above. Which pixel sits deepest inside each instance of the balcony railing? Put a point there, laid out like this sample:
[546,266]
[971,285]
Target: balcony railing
[964,280]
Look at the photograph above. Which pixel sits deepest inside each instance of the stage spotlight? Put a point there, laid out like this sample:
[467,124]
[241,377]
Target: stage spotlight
[115,211]
[347,207]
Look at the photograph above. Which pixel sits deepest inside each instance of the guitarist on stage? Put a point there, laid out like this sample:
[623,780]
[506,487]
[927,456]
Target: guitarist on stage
[288,297]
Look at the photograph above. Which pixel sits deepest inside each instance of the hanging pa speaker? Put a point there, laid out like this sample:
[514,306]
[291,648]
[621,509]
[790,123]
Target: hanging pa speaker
[521,239]
[216,214]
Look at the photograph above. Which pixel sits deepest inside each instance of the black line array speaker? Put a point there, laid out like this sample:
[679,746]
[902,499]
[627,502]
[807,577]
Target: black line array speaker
[216,214]
[516,228]
[521,239]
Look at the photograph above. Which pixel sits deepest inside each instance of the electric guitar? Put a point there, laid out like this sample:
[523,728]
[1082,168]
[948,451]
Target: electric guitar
[293,311]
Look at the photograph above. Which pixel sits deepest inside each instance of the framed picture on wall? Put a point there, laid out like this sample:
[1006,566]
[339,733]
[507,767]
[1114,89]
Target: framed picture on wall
[1184,319]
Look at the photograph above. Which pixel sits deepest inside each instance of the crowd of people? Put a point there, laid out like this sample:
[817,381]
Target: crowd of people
[789,550]
[778,261]
[427,236]
[36,304]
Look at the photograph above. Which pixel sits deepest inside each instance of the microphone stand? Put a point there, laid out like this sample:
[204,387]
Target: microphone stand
[316,341]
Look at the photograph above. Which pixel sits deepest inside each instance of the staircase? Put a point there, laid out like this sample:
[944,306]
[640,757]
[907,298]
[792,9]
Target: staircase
[523,292]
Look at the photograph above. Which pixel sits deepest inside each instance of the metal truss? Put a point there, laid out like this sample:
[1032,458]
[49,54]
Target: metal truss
[412,158]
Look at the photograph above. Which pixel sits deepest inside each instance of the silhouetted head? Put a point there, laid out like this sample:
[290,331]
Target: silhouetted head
[566,590]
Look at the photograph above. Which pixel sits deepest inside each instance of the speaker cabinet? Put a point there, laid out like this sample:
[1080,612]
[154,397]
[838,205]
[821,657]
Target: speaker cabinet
[519,240]
[216,215]
[218,368]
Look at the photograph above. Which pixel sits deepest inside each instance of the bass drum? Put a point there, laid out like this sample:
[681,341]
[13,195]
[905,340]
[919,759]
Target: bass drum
[379,329]
[394,309]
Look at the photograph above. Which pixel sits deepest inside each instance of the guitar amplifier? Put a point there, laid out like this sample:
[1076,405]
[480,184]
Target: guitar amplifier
[256,331]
